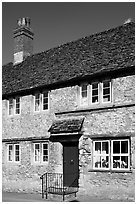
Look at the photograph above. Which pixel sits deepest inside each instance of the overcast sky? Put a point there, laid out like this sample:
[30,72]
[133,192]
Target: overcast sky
[57,23]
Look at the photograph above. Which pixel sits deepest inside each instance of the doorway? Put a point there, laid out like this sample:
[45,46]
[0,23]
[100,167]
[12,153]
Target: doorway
[70,164]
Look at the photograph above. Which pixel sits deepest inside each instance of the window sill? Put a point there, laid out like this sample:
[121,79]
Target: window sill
[110,171]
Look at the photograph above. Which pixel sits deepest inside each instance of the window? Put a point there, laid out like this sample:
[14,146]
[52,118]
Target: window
[17,105]
[11,110]
[116,158]
[37,152]
[13,153]
[45,100]
[45,152]
[41,101]
[95,93]
[120,154]
[37,102]
[14,106]
[41,152]
[101,155]
[84,94]
[106,86]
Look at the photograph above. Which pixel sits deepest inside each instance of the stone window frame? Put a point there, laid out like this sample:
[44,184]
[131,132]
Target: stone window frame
[40,101]
[19,103]
[42,95]
[40,153]
[111,155]
[100,93]
[110,87]
[13,153]
[14,106]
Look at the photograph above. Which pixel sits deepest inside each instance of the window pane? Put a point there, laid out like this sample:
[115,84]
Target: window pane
[106,84]
[116,147]
[116,162]
[105,148]
[97,162]
[124,162]
[105,161]
[95,86]
[97,147]
[95,99]
[106,98]
[106,91]
[95,92]
[124,146]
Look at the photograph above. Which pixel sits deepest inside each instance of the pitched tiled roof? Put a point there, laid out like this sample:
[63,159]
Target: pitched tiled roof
[109,50]
[66,125]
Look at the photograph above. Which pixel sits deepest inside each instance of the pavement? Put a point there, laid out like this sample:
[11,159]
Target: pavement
[28,197]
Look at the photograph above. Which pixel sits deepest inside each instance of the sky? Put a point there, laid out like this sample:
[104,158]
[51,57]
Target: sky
[56,23]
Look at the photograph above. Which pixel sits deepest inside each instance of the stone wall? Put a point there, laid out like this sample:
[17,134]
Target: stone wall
[107,121]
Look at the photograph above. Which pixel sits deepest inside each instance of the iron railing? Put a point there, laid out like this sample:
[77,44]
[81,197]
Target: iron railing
[53,183]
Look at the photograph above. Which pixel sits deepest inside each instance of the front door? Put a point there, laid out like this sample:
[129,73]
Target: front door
[70,164]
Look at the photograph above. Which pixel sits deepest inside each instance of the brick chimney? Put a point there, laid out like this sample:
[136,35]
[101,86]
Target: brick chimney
[23,40]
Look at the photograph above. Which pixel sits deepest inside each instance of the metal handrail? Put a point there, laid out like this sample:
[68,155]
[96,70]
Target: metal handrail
[54,183]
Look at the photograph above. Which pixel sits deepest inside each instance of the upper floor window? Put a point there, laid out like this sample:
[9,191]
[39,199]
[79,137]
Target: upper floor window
[106,86]
[84,94]
[14,106]
[114,154]
[37,102]
[17,105]
[95,93]
[11,110]
[41,101]
[13,153]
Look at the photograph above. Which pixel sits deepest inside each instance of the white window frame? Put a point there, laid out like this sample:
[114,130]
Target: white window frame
[47,150]
[81,98]
[13,153]
[120,154]
[43,100]
[96,82]
[15,103]
[39,152]
[110,87]
[101,155]
[35,102]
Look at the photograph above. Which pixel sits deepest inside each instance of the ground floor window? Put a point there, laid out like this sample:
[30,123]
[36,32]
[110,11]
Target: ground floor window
[41,152]
[13,153]
[111,154]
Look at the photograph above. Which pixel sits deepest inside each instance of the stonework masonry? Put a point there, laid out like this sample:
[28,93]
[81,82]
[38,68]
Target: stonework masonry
[116,119]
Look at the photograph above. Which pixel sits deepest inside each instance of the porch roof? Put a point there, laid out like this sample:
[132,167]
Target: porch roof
[69,125]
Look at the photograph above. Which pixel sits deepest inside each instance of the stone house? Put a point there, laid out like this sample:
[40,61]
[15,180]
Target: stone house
[70,109]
